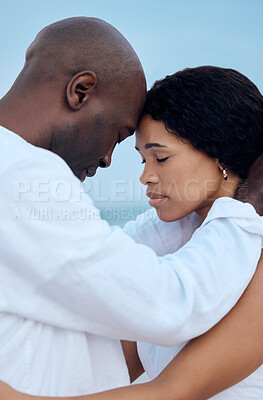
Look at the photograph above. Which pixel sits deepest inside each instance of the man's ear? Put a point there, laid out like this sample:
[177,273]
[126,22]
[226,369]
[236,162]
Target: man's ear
[78,88]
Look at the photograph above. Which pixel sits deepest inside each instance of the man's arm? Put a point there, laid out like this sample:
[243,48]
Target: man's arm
[211,363]
[78,273]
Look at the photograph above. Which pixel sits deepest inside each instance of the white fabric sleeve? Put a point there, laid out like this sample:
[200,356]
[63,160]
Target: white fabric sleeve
[62,265]
[163,237]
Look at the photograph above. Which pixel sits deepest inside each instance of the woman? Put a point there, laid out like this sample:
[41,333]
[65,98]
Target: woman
[200,132]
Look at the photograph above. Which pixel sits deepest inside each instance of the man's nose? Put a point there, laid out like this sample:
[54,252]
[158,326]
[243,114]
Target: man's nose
[106,161]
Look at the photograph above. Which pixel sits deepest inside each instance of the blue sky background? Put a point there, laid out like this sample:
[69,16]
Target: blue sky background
[168,35]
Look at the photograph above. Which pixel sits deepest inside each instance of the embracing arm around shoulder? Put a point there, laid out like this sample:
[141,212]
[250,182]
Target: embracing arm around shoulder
[190,285]
[225,355]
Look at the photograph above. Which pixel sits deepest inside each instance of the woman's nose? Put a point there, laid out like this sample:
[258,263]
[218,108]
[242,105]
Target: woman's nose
[148,176]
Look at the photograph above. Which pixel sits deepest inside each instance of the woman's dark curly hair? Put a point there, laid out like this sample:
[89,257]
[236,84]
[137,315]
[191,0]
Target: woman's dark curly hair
[218,110]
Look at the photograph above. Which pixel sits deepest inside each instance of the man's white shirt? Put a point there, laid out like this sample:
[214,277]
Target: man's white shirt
[68,281]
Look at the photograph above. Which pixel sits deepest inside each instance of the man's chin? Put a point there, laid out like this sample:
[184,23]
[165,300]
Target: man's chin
[83,176]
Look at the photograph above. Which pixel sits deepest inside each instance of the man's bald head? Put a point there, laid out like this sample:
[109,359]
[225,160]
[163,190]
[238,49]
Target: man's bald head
[81,43]
[81,91]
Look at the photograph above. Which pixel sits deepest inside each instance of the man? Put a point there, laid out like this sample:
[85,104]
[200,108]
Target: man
[68,282]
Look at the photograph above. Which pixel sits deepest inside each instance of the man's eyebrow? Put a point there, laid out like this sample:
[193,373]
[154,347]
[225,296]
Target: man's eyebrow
[130,133]
[131,130]
[149,145]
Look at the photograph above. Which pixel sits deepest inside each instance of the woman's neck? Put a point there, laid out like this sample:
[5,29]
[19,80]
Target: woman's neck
[227,189]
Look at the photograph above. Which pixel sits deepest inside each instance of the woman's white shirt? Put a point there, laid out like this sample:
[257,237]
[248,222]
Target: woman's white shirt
[155,358]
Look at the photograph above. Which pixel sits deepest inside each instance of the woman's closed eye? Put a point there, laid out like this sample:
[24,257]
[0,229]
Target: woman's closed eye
[159,160]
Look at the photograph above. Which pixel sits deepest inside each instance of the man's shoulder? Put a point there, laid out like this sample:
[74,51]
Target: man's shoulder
[18,153]
[37,176]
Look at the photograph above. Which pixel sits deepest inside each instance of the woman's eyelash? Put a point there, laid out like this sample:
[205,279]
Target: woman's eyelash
[162,159]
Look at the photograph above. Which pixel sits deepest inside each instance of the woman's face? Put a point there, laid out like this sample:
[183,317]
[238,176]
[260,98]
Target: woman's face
[179,178]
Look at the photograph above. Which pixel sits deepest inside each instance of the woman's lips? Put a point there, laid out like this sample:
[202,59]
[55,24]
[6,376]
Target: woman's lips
[155,199]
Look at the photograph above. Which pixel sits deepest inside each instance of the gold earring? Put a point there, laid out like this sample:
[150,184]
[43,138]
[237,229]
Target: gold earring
[225,174]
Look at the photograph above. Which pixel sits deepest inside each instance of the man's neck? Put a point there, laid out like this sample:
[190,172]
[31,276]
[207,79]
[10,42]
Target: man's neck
[14,116]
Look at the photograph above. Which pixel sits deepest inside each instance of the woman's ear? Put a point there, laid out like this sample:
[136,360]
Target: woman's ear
[220,166]
[222,169]
[78,88]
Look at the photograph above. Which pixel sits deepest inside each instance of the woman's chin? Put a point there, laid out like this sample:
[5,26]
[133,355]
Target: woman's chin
[171,216]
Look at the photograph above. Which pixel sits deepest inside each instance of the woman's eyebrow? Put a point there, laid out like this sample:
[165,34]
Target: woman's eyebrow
[149,145]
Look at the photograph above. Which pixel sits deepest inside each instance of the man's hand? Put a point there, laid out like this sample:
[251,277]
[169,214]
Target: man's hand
[251,190]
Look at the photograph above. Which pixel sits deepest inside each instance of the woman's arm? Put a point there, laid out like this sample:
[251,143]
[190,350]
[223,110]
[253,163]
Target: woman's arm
[225,355]
[133,361]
